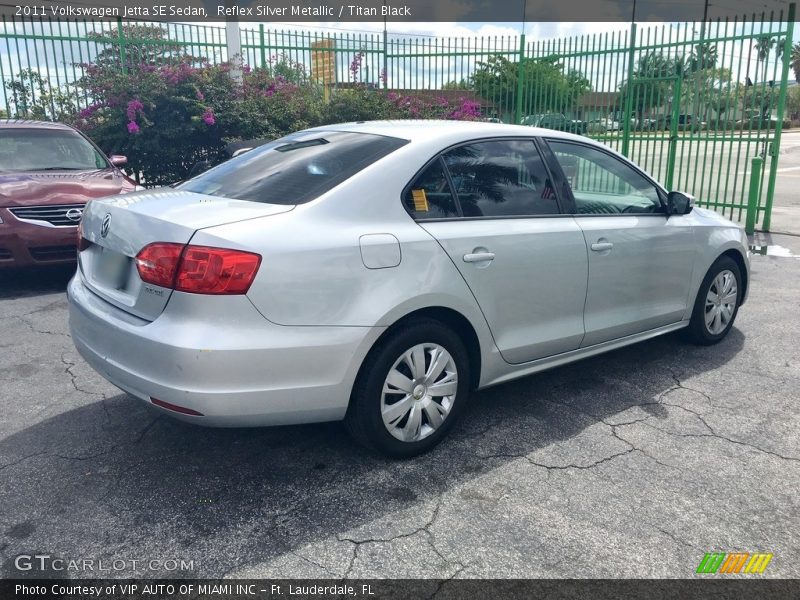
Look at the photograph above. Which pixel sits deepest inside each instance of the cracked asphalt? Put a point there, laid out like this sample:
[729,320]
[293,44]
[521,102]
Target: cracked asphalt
[631,464]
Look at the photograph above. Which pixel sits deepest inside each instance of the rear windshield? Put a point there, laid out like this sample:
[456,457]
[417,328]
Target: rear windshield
[294,169]
[47,150]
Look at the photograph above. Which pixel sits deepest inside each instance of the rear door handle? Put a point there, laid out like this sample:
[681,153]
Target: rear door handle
[479,257]
[601,246]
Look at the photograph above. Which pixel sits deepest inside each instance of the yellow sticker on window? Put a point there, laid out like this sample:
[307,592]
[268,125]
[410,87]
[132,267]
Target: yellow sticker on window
[420,200]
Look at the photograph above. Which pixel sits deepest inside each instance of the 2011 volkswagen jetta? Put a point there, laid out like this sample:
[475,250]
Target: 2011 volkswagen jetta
[378,272]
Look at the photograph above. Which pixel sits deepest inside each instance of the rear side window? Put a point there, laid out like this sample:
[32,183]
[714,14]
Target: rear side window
[501,178]
[294,169]
[430,196]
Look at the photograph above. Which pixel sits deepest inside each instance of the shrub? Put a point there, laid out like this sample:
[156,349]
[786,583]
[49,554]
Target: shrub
[167,118]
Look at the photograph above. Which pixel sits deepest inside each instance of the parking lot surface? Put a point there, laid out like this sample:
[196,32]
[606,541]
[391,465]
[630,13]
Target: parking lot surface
[631,464]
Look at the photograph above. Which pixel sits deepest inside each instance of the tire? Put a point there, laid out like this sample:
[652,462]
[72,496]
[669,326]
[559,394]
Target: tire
[416,419]
[699,331]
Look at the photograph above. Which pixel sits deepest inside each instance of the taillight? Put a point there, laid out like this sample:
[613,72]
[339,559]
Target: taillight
[197,269]
[83,243]
[206,270]
[157,263]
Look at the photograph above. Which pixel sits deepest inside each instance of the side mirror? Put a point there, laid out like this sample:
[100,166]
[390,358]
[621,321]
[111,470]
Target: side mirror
[118,160]
[679,203]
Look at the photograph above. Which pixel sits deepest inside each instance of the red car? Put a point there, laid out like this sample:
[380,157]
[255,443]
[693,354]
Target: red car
[48,172]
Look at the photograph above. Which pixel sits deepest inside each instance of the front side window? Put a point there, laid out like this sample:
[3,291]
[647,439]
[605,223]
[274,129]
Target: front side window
[501,178]
[603,184]
[294,169]
[47,150]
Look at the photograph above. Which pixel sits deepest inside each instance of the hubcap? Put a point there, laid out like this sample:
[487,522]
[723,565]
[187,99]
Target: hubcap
[720,302]
[419,392]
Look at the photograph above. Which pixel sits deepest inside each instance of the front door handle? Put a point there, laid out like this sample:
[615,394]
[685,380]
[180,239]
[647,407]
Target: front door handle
[479,257]
[602,246]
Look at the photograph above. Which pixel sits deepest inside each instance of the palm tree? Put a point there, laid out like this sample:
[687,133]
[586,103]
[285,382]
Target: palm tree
[795,61]
[764,45]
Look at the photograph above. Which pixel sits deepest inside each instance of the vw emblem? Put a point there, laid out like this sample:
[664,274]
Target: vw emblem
[106,225]
[74,214]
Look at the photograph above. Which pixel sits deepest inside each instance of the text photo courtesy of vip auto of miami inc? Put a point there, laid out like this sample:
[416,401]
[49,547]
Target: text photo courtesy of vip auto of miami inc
[399,300]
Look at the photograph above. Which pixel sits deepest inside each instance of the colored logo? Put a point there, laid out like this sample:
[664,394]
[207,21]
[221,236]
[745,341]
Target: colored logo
[734,562]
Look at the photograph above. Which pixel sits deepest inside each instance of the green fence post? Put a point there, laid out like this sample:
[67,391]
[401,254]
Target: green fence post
[776,141]
[626,127]
[752,196]
[262,45]
[123,59]
[520,82]
[673,130]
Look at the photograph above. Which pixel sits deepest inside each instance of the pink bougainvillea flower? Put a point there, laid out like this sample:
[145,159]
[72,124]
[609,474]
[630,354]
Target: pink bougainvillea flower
[133,128]
[208,117]
[134,106]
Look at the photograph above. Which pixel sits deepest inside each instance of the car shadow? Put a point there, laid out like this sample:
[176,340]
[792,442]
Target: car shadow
[113,478]
[17,283]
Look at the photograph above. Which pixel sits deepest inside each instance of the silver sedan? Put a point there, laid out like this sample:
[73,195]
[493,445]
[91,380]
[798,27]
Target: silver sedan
[379,272]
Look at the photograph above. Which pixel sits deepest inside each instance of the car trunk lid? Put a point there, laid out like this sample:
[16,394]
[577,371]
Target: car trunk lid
[119,227]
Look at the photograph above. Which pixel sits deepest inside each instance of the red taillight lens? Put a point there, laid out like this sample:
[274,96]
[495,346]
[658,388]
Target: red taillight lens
[206,270]
[83,243]
[197,269]
[157,263]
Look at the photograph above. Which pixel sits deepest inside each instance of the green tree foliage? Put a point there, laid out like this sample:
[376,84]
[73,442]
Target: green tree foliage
[143,44]
[795,61]
[546,86]
[32,97]
[652,86]
[463,84]
[793,102]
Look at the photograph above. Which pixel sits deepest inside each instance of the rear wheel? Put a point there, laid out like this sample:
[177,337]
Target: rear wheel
[411,389]
[717,303]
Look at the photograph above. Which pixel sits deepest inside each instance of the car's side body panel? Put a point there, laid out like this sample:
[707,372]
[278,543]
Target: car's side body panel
[340,270]
[642,281]
[533,291]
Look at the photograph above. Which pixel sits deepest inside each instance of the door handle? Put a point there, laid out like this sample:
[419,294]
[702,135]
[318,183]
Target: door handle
[602,246]
[479,257]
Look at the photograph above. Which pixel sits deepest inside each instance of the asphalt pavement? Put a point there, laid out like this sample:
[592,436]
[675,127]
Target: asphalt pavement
[632,464]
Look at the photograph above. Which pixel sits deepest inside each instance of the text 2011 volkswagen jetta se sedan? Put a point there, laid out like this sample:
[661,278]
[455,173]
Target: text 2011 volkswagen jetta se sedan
[378,272]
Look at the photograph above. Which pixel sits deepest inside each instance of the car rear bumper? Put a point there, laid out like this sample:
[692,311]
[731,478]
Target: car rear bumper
[25,245]
[218,356]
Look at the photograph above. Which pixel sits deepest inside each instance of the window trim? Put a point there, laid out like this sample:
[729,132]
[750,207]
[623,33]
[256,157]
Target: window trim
[660,191]
[460,217]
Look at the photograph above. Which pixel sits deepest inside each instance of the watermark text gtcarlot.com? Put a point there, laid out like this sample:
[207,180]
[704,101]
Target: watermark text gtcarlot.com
[50,563]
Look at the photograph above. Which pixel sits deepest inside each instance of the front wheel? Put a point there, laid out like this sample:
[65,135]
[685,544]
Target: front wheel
[411,389]
[717,303]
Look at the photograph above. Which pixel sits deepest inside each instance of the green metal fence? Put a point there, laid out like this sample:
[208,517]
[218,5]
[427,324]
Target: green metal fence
[699,105]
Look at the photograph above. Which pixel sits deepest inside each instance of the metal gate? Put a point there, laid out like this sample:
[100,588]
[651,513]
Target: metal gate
[699,105]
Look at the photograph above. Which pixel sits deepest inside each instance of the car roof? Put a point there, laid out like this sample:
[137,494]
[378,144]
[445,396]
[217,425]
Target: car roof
[452,131]
[29,124]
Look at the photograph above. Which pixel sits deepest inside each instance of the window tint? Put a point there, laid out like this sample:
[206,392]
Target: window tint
[603,184]
[430,196]
[294,169]
[501,178]
[47,150]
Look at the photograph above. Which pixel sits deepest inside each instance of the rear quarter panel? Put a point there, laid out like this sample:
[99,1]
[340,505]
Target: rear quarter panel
[312,272]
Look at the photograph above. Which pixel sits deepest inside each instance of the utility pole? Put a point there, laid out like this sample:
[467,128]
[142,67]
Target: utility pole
[233,42]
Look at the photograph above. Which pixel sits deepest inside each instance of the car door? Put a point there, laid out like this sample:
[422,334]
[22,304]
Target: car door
[493,207]
[640,261]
